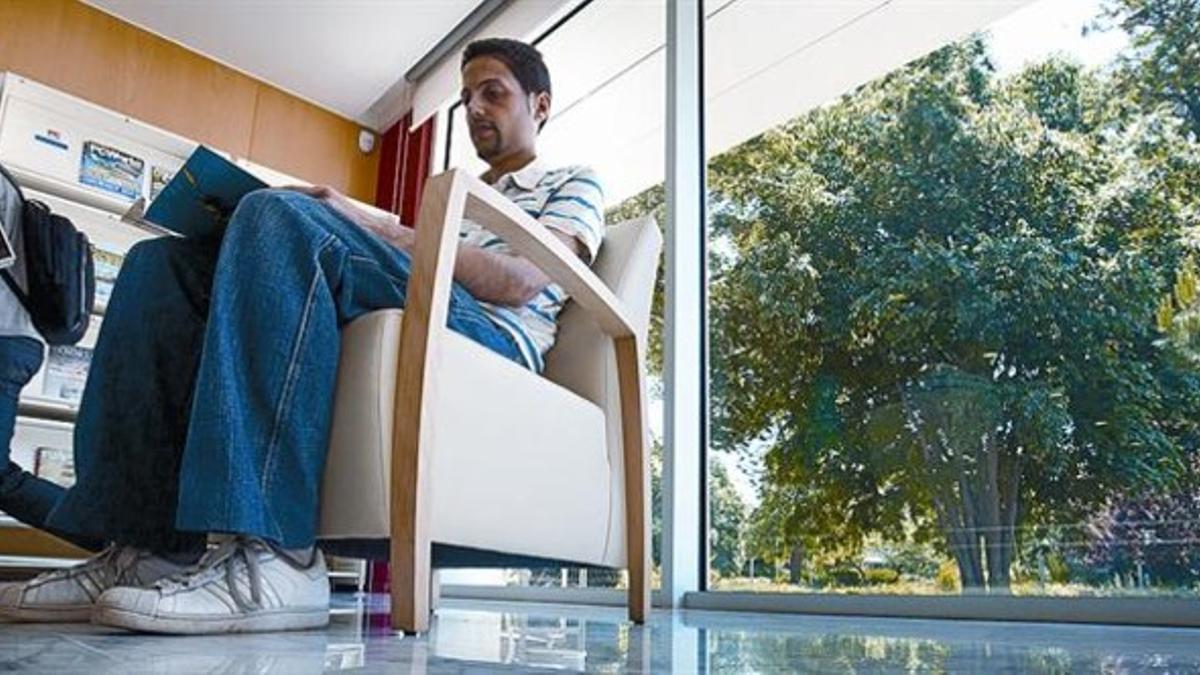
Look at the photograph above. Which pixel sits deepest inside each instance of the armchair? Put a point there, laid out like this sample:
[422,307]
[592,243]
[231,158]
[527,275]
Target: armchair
[449,452]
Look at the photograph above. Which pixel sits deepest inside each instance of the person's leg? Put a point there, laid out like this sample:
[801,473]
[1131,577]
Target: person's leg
[129,436]
[291,272]
[132,422]
[24,496]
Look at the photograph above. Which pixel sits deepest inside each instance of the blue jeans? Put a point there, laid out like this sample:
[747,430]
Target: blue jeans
[209,402]
[23,496]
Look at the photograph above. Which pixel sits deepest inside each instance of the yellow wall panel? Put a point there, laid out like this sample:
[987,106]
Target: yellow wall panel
[83,51]
[330,155]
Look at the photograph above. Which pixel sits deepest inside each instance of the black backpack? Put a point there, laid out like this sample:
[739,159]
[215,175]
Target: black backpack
[59,271]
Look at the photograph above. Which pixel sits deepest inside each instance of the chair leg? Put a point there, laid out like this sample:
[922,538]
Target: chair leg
[410,593]
[639,592]
[409,561]
[637,476]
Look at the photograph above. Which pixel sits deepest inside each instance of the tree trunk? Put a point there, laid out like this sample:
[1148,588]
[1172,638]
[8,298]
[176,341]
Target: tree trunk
[964,550]
[973,471]
[1009,492]
[796,564]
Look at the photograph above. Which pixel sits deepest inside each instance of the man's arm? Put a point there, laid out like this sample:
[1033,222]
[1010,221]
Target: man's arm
[496,278]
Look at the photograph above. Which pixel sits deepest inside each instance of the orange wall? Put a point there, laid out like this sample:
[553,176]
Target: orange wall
[83,51]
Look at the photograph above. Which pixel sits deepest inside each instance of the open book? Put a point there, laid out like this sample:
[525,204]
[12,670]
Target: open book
[202,195]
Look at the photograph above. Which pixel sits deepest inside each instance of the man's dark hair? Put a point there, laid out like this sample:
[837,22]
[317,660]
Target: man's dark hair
[524,60]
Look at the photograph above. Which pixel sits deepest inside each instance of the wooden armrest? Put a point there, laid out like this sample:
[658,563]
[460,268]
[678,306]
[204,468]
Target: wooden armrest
[530,239]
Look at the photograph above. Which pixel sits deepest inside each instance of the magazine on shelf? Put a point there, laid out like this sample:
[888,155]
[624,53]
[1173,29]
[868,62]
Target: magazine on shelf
[112,170]
[159,177]
[201,196]
[108,264]
[56,465]
[66,372]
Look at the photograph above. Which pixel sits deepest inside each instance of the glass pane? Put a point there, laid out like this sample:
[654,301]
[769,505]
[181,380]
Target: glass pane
[607,69]
[955,331]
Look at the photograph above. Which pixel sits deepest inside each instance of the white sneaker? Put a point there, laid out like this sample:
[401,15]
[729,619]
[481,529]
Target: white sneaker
[67,595]
[242,586]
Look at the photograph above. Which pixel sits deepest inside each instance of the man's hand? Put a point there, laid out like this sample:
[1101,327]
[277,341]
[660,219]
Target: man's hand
[498,278]
[387,226]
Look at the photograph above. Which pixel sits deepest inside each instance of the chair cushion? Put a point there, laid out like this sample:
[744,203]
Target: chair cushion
[517,463]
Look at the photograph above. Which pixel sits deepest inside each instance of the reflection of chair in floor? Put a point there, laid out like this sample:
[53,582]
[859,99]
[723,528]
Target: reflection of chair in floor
[496,466]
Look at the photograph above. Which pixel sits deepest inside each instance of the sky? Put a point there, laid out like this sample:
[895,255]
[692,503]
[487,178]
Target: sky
[1046,27]
[1033,33]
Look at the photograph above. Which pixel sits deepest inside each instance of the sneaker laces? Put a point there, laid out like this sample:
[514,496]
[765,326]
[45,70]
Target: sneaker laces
[223,561]
[114,566]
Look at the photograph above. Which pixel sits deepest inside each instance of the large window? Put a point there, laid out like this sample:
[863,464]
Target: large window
[955,325]
[607,69]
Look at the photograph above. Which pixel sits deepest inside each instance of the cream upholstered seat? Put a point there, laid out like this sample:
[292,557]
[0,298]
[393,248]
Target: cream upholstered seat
[494,457]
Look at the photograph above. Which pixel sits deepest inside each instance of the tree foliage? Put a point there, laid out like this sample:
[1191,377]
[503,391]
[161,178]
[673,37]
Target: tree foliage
[942,301]
[1163,66]
[964,303]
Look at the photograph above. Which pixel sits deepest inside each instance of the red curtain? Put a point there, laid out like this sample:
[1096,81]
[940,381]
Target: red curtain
[404,167]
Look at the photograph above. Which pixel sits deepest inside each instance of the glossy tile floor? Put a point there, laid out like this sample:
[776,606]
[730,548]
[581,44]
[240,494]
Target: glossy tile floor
[482,637]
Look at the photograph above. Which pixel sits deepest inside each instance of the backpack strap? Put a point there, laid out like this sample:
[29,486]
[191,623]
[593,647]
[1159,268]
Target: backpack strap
[13,181]
[8,277]
[16,288]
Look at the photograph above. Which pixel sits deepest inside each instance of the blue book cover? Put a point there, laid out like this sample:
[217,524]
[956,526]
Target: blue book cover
[202,195]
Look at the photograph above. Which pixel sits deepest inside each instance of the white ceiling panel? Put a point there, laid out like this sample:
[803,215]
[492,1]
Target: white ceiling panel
[771,60]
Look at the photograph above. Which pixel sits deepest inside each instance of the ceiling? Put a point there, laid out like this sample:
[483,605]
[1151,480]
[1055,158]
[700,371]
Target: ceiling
[766,61]
[348,56]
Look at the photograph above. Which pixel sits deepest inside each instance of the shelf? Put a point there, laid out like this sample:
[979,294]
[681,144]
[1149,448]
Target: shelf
[36,562]
[71,191]
[7,522]
[47,409]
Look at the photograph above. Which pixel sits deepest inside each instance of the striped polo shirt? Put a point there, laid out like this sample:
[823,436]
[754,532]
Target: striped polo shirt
[568,200]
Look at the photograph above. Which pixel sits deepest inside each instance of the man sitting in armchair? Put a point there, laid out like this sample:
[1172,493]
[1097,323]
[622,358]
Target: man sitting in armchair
[209,402]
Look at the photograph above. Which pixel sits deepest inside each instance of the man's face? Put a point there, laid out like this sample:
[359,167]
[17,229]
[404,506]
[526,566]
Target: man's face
[501,117]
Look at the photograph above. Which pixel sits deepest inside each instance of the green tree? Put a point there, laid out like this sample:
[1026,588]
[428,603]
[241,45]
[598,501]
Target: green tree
[950,298]
[728,514]
[727,522]
[942,302]
[1163,65]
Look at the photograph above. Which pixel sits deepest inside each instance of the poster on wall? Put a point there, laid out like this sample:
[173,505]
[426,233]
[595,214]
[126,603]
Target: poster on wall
[66,372]
[111,170]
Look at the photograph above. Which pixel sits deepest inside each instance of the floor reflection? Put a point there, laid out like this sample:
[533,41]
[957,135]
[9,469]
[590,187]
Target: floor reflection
[471,636]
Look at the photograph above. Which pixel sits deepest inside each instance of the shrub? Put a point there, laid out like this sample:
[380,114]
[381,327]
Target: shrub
[845,576]
[881,576]
[947,576]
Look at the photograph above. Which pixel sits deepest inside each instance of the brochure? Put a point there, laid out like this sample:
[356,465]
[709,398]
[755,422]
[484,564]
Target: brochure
[56,465]
[66,372]
[201,196]
[111,170]
[107,264]
[159,177]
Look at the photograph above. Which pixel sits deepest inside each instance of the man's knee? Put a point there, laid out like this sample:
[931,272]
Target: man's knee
[267,208]
[277,216]
[155,270]
[158,252]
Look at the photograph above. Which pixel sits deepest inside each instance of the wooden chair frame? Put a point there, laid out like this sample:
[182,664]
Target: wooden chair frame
[447,198]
